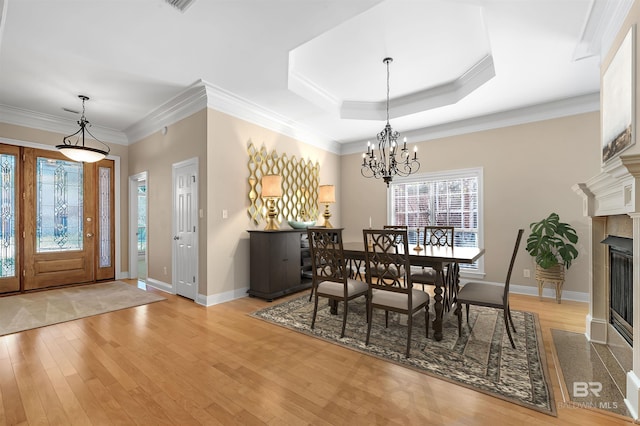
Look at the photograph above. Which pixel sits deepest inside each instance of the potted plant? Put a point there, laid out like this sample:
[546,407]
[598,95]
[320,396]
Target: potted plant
[551,243]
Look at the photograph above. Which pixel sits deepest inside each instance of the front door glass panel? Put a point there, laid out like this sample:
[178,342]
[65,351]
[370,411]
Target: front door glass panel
[104,215]
[59,212]
[8,214]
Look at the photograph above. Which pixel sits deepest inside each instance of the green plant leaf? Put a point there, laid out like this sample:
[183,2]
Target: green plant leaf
[550,242]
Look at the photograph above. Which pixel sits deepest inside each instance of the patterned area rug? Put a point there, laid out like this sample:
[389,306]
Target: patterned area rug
[482,359]
[32,310]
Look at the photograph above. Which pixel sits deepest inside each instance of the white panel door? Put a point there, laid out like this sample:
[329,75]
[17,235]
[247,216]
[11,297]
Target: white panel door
[185,218]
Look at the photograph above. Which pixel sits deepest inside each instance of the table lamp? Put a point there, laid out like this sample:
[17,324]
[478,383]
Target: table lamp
[271,190]
[327,196]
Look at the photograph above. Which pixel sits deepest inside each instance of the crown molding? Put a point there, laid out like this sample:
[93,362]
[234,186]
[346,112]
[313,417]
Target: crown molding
[234,105]
[186,103]
[423,100]
[546,111]
[203,94]
[603,23]
[301,85]
[51,123]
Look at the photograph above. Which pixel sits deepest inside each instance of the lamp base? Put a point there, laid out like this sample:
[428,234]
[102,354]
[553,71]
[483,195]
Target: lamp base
[272,215]
[272,225]
[327,216]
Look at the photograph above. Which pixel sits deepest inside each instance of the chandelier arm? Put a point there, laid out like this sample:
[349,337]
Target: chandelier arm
[98,140]
[67,139]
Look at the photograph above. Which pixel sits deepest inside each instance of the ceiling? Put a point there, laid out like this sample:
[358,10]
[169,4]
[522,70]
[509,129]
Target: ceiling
[309,68]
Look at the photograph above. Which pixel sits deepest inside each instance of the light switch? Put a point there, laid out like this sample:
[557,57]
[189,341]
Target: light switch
[225,214]
[201,213]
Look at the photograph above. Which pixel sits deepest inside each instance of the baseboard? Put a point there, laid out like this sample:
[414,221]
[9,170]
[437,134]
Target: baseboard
[201,299]
[596,329]
[632,395]
[575,296]
[218,298]
[160,285]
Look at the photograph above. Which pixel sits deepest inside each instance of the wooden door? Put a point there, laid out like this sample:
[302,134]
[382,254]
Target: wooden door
[59,220]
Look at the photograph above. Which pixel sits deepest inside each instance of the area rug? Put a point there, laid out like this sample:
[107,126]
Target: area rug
[481,359]
[590,374]
[32,310]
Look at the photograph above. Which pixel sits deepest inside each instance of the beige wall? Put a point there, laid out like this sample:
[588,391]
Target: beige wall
[12,133]
[528,173]
[219,141]
[156,155]
[227,240]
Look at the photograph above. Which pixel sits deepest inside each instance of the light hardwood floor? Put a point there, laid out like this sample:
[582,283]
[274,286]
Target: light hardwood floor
[175,362]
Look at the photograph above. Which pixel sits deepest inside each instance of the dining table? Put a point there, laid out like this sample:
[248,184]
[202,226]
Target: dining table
[436,257]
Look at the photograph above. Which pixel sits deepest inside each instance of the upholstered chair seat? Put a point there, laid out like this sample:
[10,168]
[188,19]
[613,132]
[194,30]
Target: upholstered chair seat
[489,295]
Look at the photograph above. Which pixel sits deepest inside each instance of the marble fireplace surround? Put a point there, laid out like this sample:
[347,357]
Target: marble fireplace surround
[611,200]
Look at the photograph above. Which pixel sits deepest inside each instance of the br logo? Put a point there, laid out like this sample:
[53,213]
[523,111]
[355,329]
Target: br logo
[582,389]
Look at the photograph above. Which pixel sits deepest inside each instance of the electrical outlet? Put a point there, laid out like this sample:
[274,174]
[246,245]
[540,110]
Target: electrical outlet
[526,273]
[165,270]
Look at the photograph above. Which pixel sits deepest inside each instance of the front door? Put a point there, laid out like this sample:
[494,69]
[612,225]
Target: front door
[56,220]
[59,220]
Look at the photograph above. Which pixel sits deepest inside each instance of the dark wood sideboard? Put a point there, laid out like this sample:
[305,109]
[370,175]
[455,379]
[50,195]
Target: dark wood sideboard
[280,263]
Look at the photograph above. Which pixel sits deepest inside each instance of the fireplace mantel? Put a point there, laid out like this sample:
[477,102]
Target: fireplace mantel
[614,190]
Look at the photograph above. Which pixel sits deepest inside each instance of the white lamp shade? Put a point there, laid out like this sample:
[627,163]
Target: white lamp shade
[271,186]
[82,154]
[327,194]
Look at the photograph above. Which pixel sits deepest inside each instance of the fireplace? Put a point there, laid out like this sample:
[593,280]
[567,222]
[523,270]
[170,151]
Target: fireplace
[621,285]
[612,201]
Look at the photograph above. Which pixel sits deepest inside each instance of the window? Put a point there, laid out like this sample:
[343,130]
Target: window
[451,198]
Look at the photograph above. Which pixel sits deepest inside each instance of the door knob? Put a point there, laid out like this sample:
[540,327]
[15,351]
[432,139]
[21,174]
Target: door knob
[89,235]
[176,238]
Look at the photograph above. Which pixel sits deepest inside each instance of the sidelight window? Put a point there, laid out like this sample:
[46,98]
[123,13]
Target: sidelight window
[8,213]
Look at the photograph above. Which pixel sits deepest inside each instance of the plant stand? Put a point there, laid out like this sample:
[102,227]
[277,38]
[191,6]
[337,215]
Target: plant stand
[553,275]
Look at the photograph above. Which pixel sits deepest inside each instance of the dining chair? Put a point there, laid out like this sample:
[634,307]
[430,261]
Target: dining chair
[331,277]
[489,295]
[440,236]
[390,287]
[373,271]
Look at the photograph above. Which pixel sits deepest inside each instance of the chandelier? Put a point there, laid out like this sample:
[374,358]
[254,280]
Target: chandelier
[389,160]
[78,151]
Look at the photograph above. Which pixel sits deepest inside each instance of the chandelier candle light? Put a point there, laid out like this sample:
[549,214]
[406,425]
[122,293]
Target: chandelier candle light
[78,151]
[384,164]
[327,196]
